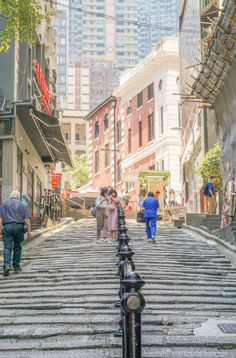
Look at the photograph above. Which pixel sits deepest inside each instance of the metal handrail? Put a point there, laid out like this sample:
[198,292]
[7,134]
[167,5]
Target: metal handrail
[77,196]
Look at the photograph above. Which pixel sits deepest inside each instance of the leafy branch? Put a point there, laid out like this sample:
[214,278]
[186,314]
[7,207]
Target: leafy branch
[78,175]
[19,20]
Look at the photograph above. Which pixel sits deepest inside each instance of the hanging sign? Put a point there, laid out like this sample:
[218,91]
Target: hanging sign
[45,95]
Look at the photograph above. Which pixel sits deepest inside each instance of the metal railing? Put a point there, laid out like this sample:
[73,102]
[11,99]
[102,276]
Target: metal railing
[131,301]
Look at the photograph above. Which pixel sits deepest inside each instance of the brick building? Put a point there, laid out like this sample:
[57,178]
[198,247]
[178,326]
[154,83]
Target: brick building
[101,144]
[143,133]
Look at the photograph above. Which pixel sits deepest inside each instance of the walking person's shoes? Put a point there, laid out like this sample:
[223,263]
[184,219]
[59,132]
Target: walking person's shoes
[17,269]
[153,238]
[6,271]
[149,240]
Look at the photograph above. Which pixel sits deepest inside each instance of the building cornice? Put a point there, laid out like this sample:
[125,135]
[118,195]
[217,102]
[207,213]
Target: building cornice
[106,101]
[140,155]
[167,50]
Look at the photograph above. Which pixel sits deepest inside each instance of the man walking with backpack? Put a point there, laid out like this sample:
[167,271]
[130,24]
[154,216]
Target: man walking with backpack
[210,194]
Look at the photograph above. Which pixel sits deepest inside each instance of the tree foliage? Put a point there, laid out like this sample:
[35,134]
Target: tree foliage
[210,165]
[20,19]
[78,174]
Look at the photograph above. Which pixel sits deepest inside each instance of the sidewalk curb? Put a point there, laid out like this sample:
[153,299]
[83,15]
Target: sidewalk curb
[211,237]
[40,232]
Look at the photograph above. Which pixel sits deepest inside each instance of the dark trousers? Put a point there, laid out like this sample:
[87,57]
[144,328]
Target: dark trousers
[13,236]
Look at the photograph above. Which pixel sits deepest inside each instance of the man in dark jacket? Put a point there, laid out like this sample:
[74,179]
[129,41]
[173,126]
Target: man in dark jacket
[150,214]
[14,215]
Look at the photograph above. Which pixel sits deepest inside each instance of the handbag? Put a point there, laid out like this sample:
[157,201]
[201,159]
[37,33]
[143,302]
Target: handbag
[94,211]
[140,217]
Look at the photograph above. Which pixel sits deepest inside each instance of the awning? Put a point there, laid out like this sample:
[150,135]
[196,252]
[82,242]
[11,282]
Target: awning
[160,175]
[45,133]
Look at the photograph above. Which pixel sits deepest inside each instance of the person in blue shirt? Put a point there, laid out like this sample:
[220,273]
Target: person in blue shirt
[210,194]
[13,216]
[150,214]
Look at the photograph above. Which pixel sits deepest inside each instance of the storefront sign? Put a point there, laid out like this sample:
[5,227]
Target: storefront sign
[54,183]
[56,175]
[45,95]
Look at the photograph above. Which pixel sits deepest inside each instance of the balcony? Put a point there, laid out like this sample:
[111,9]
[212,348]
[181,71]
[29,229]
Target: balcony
[80,142]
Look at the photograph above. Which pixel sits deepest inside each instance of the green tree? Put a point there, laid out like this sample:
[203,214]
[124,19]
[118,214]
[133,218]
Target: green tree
[210,165]
[21,20]
[78,174]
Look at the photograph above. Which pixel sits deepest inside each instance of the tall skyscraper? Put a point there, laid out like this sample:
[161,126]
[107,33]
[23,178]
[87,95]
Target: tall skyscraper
[103,38]
[163,17]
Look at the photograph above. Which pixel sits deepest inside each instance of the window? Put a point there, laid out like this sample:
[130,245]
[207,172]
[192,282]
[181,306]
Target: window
[107,156]
[140,133]
[162,164]
[139,99]
[118,171]
[151,127]
[80,152]
[150,91]
[129,140]
[97,129]
[162,121]
[130,185]
[97,161]
[129,108]
[106,122]
[119,132]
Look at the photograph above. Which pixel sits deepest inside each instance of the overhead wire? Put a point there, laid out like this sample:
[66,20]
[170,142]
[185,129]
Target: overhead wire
[117,19]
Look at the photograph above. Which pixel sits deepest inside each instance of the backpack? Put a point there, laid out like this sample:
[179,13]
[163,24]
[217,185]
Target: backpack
[206,190]
[94,210]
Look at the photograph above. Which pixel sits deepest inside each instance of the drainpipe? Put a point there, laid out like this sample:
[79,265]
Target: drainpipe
[205,132]
[114,134]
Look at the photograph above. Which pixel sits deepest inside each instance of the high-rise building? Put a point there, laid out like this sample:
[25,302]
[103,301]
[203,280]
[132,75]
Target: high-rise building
[62,54]
[103,38]
[163,17]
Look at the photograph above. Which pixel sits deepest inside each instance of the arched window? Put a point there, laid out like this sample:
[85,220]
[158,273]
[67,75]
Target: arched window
[106,122]
[97,129]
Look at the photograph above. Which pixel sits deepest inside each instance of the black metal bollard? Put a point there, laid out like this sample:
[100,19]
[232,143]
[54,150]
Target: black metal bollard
[125,263]
[131,300]
[122,230]
[132,305]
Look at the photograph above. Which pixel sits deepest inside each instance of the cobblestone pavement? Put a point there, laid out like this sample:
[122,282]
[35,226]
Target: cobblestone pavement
[62,305]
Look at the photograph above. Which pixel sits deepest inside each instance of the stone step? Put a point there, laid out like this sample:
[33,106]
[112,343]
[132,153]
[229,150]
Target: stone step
[76,342]
[179,352]
[62,310]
